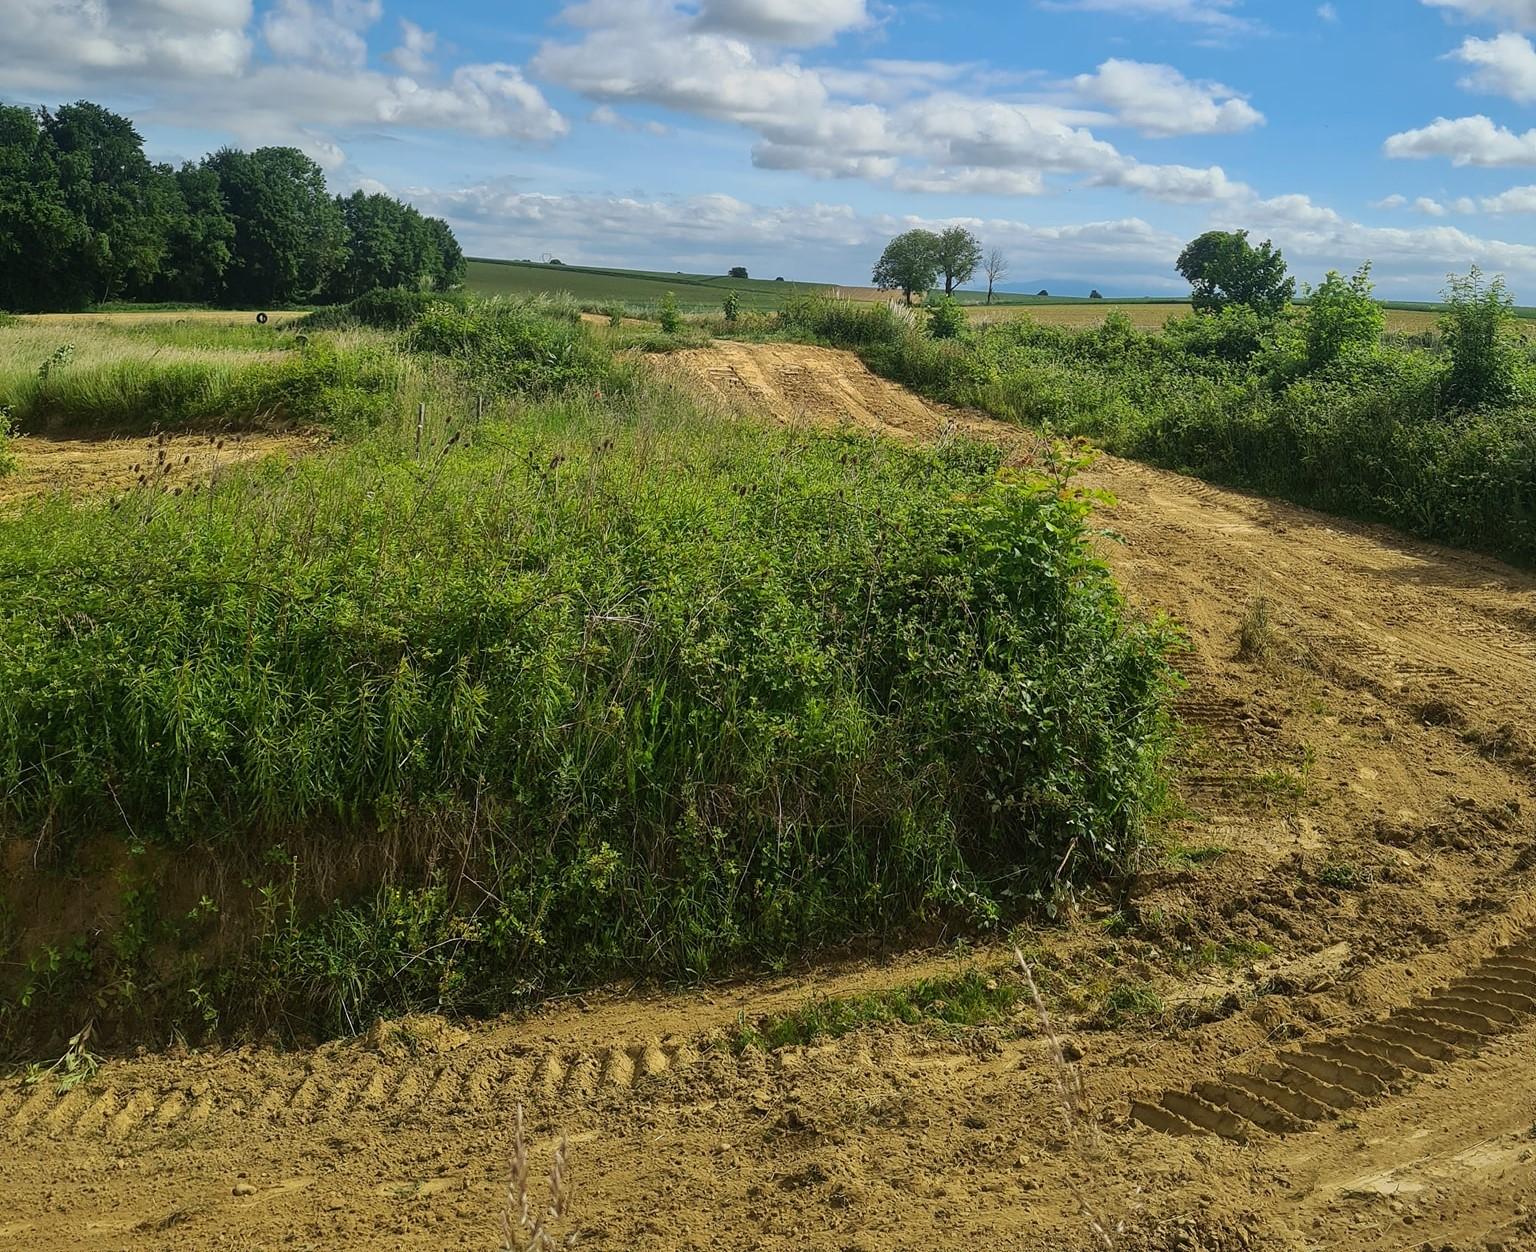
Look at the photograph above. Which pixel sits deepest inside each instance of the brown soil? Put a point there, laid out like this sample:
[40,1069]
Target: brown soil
[1344,952]
[87,467]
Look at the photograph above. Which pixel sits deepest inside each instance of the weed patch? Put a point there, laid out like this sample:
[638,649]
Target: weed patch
[967,1000]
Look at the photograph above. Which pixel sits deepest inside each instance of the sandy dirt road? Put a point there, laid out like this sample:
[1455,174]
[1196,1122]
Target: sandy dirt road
[79,468]
[1359,828]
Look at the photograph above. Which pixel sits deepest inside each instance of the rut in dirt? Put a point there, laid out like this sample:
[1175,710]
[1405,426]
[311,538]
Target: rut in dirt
[1298,1090]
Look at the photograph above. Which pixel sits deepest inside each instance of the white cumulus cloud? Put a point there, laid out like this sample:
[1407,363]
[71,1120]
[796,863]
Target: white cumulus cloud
[1503,66]
[1520,13]
[797,22]
[1159,101]
[1465,141]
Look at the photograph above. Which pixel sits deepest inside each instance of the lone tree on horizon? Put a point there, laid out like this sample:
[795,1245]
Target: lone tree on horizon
[1224,268]
[996,267]
[959,255]
[909,263]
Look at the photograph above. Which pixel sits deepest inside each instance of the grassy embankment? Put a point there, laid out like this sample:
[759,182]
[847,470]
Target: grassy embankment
[1387,430]
[598,684]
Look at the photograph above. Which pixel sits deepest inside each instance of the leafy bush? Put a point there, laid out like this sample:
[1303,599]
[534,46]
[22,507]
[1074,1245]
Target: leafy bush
[1477,333]
[946,318]
[671,320]
[654,694]
[1342,315]
[731,307]
[392,308]
[1233,333]
[1313,408]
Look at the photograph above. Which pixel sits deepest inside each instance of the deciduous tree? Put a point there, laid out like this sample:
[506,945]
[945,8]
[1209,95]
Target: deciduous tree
[959,255]
[289,235]
[909,263]
[996,267]
[1224,268]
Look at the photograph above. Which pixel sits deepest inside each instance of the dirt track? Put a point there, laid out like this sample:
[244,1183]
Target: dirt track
[89,467]
[1362,805]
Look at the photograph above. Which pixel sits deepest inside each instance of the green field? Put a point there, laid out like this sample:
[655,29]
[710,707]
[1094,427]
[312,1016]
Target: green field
[630,287]
[642,290]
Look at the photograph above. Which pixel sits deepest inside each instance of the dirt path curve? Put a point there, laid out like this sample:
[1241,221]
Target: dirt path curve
[1342,942]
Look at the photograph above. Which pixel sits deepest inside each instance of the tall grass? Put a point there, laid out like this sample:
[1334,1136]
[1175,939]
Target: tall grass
[120,378]
[660,693]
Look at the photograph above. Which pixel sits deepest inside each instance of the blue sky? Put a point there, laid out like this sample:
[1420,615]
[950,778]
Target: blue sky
[1087,138]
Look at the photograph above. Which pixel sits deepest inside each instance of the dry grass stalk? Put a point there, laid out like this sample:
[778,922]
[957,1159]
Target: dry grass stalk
[523,1228]
[1082,1127]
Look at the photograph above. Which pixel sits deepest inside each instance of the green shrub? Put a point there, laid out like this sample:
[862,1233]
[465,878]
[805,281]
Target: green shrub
[671,320]
[1233,333]
[946,318]
[654,694]
[1478,335]
[843,323]
[1235,398]
[731,307]
[1342,315]
[392,308]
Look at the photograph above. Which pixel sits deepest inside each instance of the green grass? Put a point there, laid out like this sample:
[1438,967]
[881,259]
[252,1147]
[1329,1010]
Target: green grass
[642,290]
[600,685]
[108,378]
[963,1001]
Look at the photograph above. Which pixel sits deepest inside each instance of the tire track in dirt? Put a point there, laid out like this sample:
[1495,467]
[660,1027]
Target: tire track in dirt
[342,1083]
[1324,1078]
[347,1083]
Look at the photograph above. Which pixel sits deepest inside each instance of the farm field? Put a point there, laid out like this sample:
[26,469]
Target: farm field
[645,289]
[631,287]
[1316,1014]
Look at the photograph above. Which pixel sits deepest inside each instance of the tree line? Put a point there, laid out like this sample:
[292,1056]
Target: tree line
[86,217]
